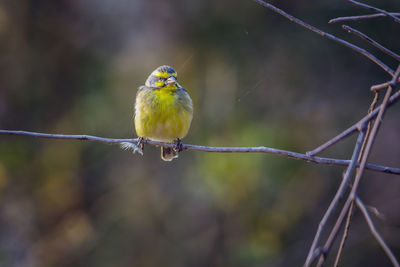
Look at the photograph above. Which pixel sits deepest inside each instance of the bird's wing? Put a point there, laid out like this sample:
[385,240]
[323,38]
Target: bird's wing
[184,99]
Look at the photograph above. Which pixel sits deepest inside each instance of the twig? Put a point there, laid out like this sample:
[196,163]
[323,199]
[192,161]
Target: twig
[369,125]
[382,85]
[354,18]
[327,35]
[395,97]
[259,149]
[375,233]
[378,10]
[350,212]
[371,41]
[360,172]
[345,234]
[339,193]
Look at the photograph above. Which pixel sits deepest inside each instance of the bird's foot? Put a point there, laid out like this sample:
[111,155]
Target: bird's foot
[140,143]
[178,146]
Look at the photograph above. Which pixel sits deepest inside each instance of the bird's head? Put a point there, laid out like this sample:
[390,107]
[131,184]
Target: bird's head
[163,77]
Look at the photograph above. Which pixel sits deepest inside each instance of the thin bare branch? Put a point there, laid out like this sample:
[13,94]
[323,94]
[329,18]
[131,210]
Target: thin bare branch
[375,9]
[313,253]
[371,41]
[354,18]
[350,212]
[260,149]
[344,236]
[375,233]
[369,125]
[327,35]
[382,85]
[360,172]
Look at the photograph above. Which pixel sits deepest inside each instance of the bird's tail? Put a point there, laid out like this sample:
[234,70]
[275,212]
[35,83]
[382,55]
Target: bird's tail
[168,153]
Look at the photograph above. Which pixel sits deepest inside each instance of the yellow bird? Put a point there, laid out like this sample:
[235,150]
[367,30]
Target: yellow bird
[163,110]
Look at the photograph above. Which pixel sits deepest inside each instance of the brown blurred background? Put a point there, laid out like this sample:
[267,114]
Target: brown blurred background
[73,67]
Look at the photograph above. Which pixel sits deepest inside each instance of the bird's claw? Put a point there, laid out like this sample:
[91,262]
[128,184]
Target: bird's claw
[140,143]
[178,146]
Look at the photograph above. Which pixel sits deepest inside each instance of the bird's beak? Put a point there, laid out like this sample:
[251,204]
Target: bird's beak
[171,81]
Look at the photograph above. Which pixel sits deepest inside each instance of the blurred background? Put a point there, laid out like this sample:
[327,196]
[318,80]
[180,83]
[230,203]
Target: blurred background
[73,67]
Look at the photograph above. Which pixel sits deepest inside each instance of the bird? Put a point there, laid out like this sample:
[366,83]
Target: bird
[163,111]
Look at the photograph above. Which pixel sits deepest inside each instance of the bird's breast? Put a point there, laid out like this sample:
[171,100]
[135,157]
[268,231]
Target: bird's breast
[161,115]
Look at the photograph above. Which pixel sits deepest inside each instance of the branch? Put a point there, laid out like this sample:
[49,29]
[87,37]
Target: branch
[374,9]
[388,100]
[360,172]
[371,41]
[327,35]
[372,228]
[354,18]
[345,234]
[375,233]
[350,212]
[382,85]
[260,149]
[369,124]
[312,253]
